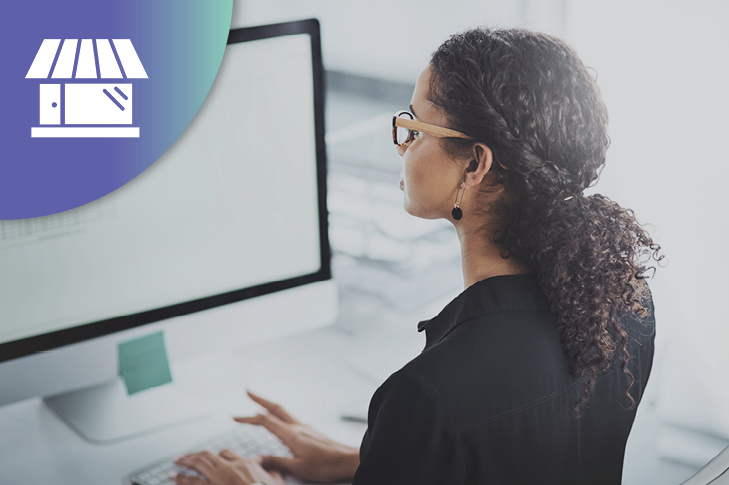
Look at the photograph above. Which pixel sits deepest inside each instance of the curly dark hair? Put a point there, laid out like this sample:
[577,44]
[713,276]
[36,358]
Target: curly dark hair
[529,97]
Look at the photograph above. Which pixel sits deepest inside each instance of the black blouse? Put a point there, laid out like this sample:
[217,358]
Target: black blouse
[490,399]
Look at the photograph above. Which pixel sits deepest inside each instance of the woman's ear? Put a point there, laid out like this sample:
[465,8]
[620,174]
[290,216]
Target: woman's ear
[479,164]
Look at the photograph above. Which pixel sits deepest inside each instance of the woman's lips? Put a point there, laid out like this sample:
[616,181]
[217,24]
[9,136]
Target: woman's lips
[402,184]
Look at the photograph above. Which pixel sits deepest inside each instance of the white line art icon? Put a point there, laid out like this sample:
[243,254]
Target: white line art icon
[86,108]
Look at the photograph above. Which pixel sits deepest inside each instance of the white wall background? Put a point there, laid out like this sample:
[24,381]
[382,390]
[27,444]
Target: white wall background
[393,40]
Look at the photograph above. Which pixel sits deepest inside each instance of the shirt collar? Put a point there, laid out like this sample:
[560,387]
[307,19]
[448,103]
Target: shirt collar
[492,295]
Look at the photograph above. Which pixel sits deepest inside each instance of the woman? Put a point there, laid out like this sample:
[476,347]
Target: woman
[533,373]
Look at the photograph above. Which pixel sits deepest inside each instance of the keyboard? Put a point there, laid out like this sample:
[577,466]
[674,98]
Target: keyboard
[247,440]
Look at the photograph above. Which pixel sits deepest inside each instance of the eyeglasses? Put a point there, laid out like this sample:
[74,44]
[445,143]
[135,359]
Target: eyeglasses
[404,128]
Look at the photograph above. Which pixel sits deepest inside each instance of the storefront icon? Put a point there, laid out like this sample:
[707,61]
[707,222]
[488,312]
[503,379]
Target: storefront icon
[86,108]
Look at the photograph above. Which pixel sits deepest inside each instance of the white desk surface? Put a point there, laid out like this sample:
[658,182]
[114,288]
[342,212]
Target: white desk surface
[312,375]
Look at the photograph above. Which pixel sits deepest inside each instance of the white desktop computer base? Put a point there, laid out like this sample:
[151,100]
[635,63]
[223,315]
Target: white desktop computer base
[106,413]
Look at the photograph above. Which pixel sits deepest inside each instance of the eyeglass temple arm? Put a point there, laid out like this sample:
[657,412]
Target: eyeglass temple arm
[434,130]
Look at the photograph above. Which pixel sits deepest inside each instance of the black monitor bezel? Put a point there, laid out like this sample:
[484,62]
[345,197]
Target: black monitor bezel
[60,338]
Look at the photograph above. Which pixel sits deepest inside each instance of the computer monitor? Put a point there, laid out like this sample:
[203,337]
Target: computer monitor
[222,242]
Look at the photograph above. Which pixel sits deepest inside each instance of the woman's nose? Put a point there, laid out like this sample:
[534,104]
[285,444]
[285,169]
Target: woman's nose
[401,148]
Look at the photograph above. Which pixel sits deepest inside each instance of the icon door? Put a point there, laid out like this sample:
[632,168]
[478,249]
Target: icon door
[50,104]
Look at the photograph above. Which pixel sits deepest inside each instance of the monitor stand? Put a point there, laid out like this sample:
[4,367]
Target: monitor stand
[105,413]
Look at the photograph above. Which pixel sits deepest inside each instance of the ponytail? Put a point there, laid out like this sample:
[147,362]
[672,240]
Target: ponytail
[590,256]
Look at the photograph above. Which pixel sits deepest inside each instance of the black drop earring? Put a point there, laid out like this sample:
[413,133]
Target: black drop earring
[457,213]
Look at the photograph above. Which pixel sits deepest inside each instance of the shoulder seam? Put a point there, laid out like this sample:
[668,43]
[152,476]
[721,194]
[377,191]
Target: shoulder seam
[523,407]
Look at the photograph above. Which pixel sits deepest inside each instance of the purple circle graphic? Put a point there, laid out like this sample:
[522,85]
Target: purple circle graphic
[100,90]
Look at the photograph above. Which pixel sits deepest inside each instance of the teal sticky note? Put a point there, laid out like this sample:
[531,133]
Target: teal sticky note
[143,363]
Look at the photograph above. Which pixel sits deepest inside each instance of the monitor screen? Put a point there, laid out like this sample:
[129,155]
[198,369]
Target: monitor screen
[234,209]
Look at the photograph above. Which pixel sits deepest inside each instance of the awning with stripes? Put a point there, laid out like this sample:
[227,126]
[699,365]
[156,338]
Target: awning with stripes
[78,60]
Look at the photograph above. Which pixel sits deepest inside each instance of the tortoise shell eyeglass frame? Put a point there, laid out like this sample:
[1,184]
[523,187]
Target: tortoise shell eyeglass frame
[398,121]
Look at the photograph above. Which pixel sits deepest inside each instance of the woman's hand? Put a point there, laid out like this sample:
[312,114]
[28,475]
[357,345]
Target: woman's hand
[224,469]
[315,457]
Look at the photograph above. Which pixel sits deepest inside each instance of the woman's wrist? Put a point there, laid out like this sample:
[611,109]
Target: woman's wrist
[347,462]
